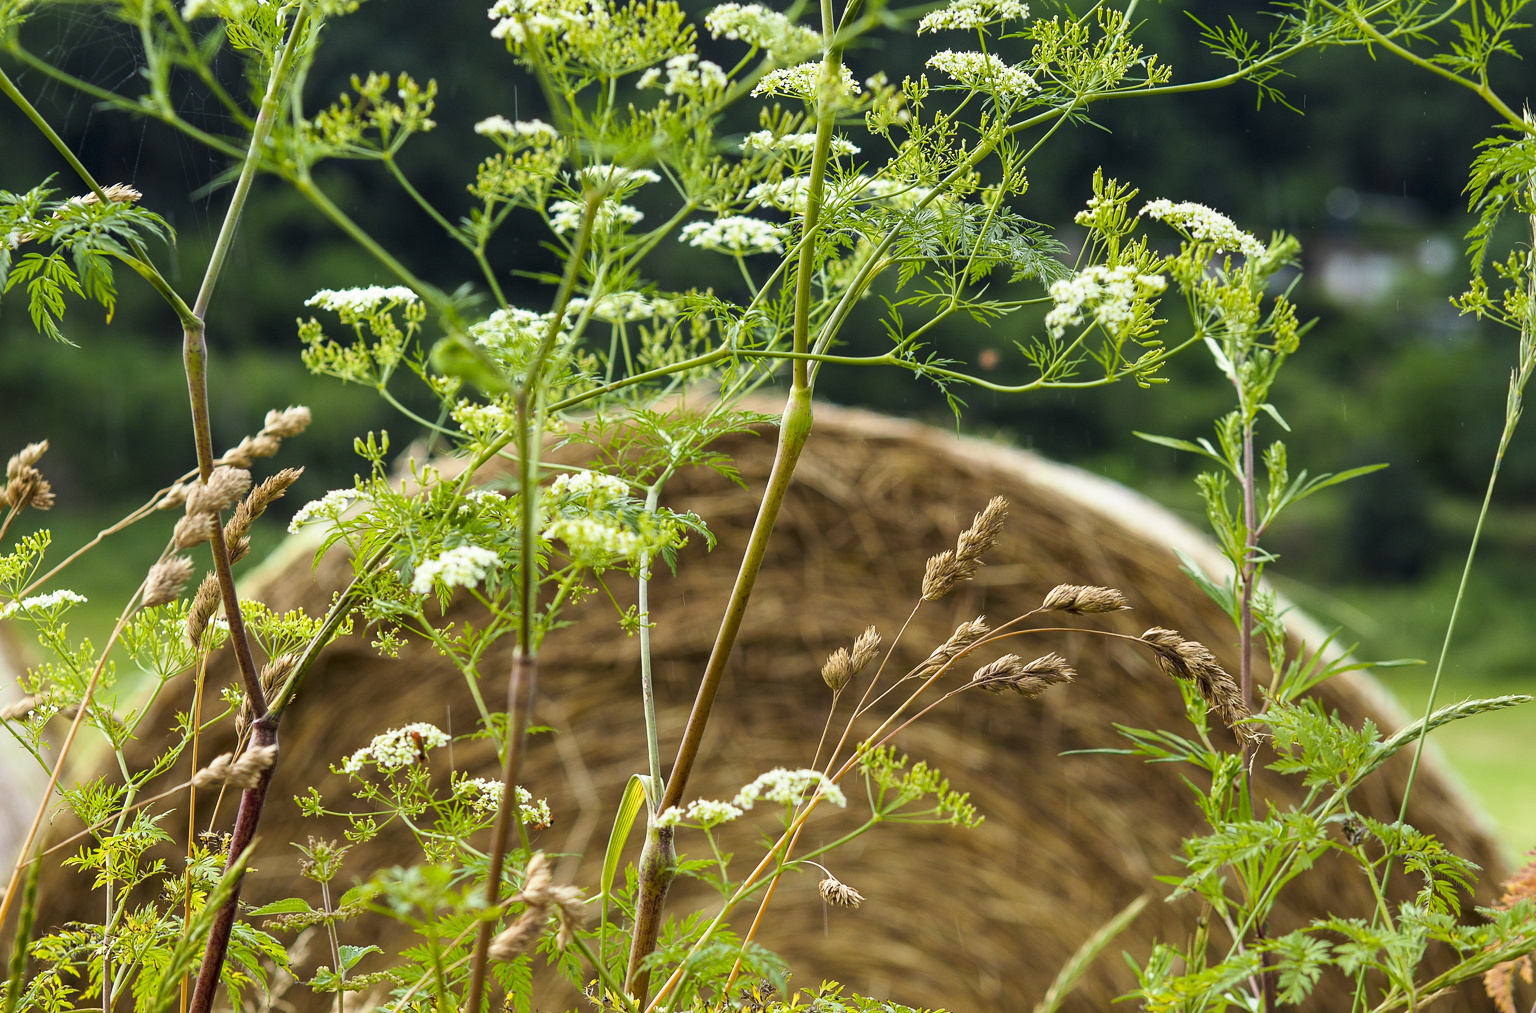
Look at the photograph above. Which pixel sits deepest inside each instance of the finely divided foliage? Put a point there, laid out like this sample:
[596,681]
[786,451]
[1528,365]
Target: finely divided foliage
[912,192]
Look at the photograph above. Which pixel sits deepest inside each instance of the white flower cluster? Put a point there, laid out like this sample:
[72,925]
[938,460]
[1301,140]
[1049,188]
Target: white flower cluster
[686,75]
[510,331]
[703,811]
[396,748]
[592,539]
[1206,225]
[616,176]
[592,487]
[517,19]
[622,307]
[767,140]
[973,14]
[484,796]
[481,421]
[788,787]
[801,81]
[465,566]
[328,507]
[565,216]
[984,72]
[43,602]
[1109,292]
[535,132]
[737,234]
[902,196]
[360,302]
[758,26]
[786,195]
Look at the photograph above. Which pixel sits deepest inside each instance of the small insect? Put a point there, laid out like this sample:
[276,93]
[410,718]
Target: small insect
[758,997]
[1354,831]
[421,748]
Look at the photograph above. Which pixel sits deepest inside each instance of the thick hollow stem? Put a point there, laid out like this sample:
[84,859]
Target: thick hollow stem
[263,733]
[793,432]
[657,868]
[525,671]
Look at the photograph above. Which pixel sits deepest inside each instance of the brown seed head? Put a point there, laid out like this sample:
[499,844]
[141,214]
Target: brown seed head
[166,580]
[1081,599]
[117,193]
[243,773]
[252,507]
[1028,680]
[26,458]
[194,529]
[965,635]
[224,487]
[277,670]
[839,894]
[174,497]
[520,936]
[943,574]
[288,422]
[982,534]
[204,604]
[842,664]
[18,709]
[1192,661]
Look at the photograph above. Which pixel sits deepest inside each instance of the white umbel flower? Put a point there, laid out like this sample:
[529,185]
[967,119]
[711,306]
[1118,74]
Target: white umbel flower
[1110,294]
[328,507]
[464,566]
[43,603]
[686,75]
[361,301]
[737,234]
[1206,225]
[594,540]
[984,72]
[565,216]
[616,176]
[706,812]
[535,132]
[767,140]
[591,487]
[758,26]
[801,81]
[967,14]
[788,787]
[396,748]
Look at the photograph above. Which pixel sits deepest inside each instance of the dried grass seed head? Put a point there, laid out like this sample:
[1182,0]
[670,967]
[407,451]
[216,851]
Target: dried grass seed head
[26,458]
[204,604]
[194,529]
[838,893]
[225,485]
[842,664]
[952,567]
[253,506]
[25,486]
[242,772]
[1011,673]
[1083,599]
[277,670]
[166,580]
[286,422]
[117,193]
[966,635]
[1192,661]
[174,497]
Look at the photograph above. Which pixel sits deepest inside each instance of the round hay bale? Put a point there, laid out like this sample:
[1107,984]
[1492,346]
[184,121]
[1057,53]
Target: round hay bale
[967,920]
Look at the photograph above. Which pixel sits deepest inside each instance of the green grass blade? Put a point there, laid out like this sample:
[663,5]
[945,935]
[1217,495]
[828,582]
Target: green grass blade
[1086,954]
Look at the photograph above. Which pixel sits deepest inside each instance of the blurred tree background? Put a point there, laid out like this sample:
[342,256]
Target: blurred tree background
[1367,166]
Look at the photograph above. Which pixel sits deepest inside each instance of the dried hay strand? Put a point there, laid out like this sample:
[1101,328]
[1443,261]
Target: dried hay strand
[966,920]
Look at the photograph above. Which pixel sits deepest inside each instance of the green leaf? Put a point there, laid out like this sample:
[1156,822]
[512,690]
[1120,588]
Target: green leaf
[287,906]
[1178,444]
[635,793]
[350,955]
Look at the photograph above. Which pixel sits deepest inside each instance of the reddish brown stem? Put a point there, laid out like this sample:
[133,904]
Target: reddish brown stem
[263,733]
[520,692]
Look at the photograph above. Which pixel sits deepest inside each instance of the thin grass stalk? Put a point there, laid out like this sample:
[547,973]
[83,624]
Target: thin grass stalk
[1513,407]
